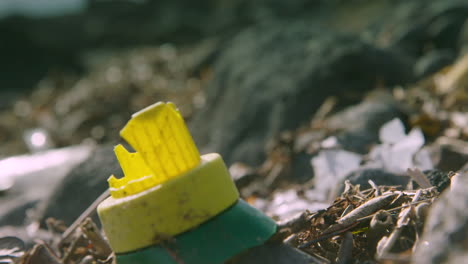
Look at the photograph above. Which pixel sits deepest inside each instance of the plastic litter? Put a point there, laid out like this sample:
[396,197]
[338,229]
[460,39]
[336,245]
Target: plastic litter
[170,195]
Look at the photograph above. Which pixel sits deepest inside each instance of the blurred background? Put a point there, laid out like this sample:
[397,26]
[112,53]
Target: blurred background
[266,83]
[77,69]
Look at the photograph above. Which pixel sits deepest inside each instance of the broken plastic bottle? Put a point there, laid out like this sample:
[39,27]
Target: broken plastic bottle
[173,205]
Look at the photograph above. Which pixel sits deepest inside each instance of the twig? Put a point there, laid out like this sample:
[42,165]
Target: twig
[326,108]
[394,209]
[100,245]
[348,209]
[327,235]
[71,249]
[419,177]
[90,210]
[292,225]
[345,254]
[367,208]
[374,186]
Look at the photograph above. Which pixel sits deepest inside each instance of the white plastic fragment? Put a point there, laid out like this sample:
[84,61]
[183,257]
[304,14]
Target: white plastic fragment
[398,151]
[392,132]
[331,167]
[287,203]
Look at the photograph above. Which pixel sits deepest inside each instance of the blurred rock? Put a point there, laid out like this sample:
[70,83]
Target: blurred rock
[439,179]
[413,26]
[463,41]
[29,238]
[82,186]
[274,253]
[242,174]
[35,177]
[378,176]
[449,154]
[274,76]
[444,239]
[432,62]
[361,123]
[301,170]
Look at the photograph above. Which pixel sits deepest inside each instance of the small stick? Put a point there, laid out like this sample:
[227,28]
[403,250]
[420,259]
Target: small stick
[348,209]
[91,231]
[374,186]
[91,209]
[326,108]
[74,245]
[394,209]
[367,208]
[345,254]
[327,235]
[292,225]
[416,196]
[41,253]
[419,177]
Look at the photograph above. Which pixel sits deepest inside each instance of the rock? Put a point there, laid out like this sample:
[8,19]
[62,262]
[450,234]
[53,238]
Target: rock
[273,77]
[29,238]
[360,124]
[463,40]
[274,253]
[301,170]
[34,178]
[415,25]
[25,60]
[444,238]
[438,178]
[242,174]
[449,154]
[82,186]
[432,62]
[378,176]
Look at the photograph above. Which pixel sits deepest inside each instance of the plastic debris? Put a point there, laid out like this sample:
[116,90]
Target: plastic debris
[287,203]
[398,151]
[171,194]
[392,132]
[330,168]
[158,134]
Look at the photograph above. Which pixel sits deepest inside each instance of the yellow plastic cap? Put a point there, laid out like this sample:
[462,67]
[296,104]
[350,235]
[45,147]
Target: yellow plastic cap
[165,149]
[169,209]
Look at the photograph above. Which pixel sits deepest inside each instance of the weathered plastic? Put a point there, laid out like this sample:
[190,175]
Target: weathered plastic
[238,228]
[177,205]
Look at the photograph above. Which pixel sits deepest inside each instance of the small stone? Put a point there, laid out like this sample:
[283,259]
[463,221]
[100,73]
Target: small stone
[438,178]
[444,239]
[378,176]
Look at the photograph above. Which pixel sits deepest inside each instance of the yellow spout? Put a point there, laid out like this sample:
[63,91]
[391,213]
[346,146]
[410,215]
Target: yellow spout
[164,150]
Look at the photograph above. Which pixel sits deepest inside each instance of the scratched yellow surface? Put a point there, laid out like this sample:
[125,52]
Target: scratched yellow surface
[164,150]
[167,188]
